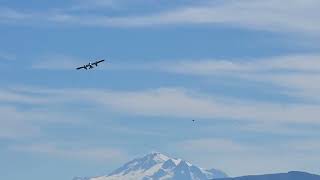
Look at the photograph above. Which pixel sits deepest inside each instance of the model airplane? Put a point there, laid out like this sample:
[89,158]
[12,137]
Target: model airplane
[90,65]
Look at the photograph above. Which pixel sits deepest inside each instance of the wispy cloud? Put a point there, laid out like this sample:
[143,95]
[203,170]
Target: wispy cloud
[295,75]
[46,106]
[18,97]
[52,149]
[62,62]
[296,16]
[58,62]
[284,16]
[6,56]
[8,14]
[79,5]
[93,4]
[177,102]
[19,122]
[15,125]
[212,144]
[283,64]
[182,103]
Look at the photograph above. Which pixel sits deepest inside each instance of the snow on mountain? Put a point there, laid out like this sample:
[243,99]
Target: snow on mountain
[156,166]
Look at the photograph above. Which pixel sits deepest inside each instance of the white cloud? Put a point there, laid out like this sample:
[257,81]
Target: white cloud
[47,106]
[14,124]
[58,62]
[93,4]
[286,15]
[19,122]
[301,85]
[177,102]
[96,154]
[181,103]
[295,74]
[7,14]
[6,56]
[275,128]
[273,15]
[80,5]
[23,124]
[211,144]
[16,97]
[284,64]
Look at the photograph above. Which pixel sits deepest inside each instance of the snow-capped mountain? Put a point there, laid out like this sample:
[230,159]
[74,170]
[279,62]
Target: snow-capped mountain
[156,166]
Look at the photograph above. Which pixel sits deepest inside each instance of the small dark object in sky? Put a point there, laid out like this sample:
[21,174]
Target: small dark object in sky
[90,65]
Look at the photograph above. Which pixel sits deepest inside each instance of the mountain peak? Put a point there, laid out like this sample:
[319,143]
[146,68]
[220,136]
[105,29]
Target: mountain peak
[157,156]
[156,165]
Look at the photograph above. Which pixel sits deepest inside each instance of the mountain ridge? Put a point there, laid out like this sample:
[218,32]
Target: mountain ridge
[291,175]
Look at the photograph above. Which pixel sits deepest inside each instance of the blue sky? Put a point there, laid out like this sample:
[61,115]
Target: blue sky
[246,70]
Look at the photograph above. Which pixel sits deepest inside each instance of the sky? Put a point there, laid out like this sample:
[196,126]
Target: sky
[247,71]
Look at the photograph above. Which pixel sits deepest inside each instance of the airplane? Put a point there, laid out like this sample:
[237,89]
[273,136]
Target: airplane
[90,65]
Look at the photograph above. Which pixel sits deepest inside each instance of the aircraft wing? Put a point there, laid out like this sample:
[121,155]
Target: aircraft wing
[82,67]
[97,62]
